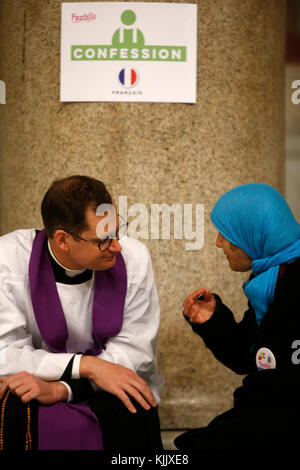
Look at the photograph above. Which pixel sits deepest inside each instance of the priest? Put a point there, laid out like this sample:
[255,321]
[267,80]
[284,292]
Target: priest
[79,318]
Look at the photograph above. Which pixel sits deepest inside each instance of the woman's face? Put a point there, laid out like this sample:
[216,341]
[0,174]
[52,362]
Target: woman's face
[238,260]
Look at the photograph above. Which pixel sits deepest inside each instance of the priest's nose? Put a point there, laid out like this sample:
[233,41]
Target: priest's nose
[115,246]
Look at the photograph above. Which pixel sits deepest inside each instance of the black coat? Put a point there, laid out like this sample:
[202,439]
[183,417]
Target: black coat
[267,406]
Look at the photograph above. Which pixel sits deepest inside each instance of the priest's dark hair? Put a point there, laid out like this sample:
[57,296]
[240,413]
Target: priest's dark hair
[66,201]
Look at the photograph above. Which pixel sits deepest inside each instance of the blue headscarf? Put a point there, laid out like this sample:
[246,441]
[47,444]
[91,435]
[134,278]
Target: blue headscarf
[256,218]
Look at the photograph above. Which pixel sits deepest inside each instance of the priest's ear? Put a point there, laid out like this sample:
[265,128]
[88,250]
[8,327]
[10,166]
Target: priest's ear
[61,239]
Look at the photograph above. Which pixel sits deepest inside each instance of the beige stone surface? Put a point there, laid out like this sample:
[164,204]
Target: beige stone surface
[153,153]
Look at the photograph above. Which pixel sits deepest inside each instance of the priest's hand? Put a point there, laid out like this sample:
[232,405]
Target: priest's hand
[199,311]
[28,387]
[118,380]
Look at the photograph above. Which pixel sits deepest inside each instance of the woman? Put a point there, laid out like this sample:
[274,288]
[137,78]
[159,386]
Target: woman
[257,232]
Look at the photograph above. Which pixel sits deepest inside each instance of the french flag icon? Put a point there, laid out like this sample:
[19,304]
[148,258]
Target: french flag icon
[128,77]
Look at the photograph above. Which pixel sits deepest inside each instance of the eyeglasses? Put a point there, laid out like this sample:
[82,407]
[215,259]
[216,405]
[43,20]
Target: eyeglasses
[104,243]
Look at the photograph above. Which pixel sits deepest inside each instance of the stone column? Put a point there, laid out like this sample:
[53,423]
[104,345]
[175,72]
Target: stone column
[154,153]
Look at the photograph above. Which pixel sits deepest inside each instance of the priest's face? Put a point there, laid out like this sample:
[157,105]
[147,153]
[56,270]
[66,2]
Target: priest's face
[85,254]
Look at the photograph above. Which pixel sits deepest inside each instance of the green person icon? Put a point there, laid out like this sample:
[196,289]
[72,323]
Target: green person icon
[128,35]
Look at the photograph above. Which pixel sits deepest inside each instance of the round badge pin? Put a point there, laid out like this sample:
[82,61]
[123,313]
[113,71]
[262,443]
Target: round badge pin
[265,359]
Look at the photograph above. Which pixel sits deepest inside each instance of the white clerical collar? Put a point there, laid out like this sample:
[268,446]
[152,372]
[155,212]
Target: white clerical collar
[69,272]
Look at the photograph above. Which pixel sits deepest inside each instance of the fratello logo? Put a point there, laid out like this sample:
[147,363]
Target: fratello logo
[128,43]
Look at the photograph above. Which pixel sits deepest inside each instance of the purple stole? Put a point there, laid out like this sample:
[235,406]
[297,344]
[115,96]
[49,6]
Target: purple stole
[65,426]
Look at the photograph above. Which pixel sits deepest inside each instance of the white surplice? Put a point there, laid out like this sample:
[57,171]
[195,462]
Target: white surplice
[21,345]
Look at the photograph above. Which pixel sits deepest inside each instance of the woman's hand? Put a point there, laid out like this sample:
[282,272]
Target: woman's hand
[199,311]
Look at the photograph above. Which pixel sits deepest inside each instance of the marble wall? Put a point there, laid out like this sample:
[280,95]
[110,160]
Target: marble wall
[153,153]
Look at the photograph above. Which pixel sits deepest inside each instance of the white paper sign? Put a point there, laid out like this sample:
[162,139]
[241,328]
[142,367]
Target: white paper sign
[129,51]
